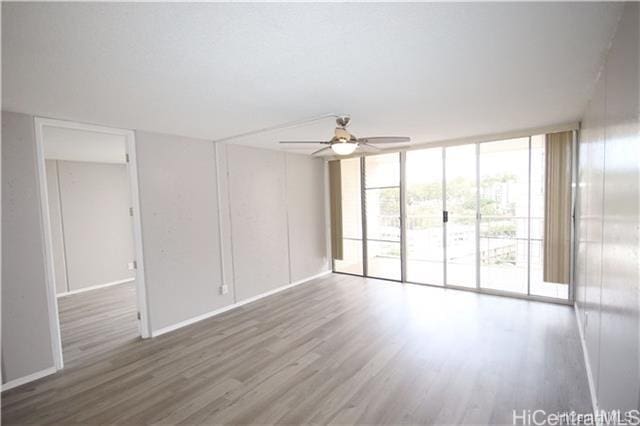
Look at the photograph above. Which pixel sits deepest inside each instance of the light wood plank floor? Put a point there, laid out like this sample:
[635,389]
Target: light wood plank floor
[97,321]
[339,350]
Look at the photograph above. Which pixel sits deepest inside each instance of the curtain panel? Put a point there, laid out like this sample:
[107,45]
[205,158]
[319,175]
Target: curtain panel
[557,218]
[335,197]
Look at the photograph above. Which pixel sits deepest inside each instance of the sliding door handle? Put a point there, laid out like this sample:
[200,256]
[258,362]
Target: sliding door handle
[445,216]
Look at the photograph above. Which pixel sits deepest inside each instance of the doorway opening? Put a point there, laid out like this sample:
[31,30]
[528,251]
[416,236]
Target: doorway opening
[91,224]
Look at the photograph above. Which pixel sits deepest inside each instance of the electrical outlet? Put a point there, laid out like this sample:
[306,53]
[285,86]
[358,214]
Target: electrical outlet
[224,289]
[131,266]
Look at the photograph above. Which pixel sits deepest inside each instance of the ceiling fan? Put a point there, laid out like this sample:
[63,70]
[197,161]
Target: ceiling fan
[345,143]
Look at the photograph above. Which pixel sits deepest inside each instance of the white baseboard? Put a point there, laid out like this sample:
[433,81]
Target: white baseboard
[95,287]
[583,342]
[210,314]
[29,378]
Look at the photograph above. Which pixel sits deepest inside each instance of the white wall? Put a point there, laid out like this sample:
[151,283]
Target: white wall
[258,205]
[180,232]
[198,200]
[306,214]
[607,274]
[63,143]
[92,231]
[26,337]
[215,214]
[277,218]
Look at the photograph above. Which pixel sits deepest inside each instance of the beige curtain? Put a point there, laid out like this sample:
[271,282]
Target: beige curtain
[335,196]
[557,218]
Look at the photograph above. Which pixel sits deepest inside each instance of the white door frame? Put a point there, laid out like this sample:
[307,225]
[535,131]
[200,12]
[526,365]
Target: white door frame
[132,171]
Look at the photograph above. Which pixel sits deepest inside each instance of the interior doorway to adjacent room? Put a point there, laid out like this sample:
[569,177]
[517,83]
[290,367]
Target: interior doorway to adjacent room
[90,215]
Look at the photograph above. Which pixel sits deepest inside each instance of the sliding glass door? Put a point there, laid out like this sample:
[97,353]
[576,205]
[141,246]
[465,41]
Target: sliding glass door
[351,190]
[382,201]
[485,220]
[461,197]
[469,216]
[504,215]
[424,223]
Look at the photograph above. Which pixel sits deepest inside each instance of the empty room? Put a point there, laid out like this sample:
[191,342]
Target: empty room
[320,213]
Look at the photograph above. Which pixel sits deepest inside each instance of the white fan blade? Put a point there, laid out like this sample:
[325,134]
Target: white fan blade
[385,139]
[368,145]
[297,148]
[321,150]
[316,142]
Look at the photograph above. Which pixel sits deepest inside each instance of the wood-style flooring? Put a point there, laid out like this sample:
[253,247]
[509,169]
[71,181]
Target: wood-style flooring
[340,349]
[97,321]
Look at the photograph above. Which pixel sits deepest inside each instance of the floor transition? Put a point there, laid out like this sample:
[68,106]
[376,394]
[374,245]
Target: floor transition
[340,349]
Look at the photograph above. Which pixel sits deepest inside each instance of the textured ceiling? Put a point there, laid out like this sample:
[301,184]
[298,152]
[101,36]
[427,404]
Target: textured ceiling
[431,71]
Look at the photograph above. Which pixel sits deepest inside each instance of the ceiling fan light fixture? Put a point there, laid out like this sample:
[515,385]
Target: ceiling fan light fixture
[344,148]
[345,143]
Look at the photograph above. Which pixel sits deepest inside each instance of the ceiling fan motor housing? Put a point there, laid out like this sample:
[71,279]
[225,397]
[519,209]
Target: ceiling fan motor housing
[342,136]
[343,121]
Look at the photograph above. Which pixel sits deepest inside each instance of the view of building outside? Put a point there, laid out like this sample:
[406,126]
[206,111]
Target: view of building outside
[504,215]
[351,218]
[382,200]
[461,195]
[425,230]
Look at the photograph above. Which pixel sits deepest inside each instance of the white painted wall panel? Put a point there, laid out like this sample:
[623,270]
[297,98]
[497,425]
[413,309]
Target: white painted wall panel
[26,336]
[593,218]
[619,375]
[258,205]
[179,211]
[581,208]
[98,231]
[607,278]
[306,214]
